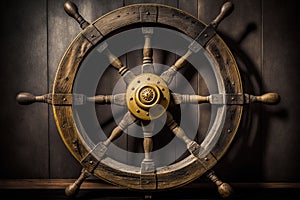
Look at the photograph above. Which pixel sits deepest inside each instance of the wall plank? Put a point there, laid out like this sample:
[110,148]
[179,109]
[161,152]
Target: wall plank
[281,74]
[61,31]
[24,139]
[242,31]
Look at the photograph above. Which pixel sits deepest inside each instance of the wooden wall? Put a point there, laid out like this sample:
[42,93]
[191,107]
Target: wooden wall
[262,34]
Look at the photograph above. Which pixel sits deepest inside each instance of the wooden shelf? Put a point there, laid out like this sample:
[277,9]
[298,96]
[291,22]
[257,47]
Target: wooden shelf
[98,184]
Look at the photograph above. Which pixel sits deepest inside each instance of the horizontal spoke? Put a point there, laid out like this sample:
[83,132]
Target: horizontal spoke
[118,99]
[226,99]
[187,98]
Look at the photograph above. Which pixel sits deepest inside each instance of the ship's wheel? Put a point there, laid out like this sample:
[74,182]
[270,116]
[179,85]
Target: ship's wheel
[153,103]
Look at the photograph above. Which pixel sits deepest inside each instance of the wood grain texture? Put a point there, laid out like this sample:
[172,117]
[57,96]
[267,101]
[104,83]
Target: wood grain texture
[24,138]
[280,73]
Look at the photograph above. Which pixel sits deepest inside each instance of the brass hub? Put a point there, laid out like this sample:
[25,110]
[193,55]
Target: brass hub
[147,96]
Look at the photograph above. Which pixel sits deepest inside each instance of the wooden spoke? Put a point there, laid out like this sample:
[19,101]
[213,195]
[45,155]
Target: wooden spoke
[148,127]
[127,120]
[169,74]
[73,188]
[148,165]
[118,99]
[128,76]
[224,189]
[147,51]
[187,98]
[176,129]
[193,147]
[270,98]
[72,10]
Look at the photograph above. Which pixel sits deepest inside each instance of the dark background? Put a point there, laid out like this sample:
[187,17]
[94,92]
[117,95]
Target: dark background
[262,34]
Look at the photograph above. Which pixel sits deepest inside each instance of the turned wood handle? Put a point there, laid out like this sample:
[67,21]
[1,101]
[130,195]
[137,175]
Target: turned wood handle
[26,98]
[268,98]
[226,9]
[72,10]
[73,188]
[224,189]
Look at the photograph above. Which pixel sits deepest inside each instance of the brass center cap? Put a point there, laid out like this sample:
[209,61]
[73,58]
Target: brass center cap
[147,96]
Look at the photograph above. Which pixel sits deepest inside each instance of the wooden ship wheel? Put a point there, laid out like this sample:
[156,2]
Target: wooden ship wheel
[150,101]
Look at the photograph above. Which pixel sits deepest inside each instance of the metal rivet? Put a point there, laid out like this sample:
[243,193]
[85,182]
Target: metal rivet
[67,78]
[218,55]
[233,83]
[232,98]
[147,114]
[206,159]
[138,111]
[163,89]
[131,98]
[138,81]
[64,99]
[147,13]
[92,36]
[148,79]
[132,88]
[158,82]
[228,131]
[91,162]
[205,35]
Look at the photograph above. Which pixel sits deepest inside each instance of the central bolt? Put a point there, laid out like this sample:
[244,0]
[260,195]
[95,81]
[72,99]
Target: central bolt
[147,94]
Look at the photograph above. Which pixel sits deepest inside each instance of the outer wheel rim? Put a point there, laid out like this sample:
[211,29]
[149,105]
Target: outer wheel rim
[66,74]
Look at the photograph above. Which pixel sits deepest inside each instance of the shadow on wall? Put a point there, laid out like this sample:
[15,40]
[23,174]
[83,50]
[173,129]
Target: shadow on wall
[245,158]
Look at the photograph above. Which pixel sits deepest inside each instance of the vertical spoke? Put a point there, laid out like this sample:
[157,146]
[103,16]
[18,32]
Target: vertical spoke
[147,51]
[148,165]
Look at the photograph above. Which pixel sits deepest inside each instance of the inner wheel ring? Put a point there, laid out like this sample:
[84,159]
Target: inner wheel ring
[147,96]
